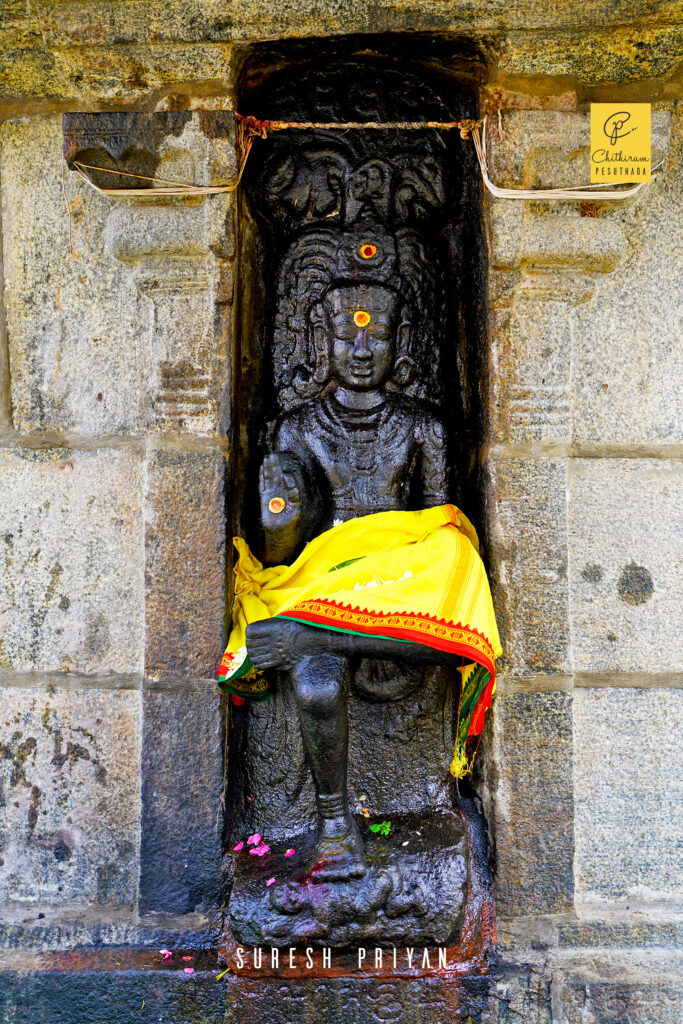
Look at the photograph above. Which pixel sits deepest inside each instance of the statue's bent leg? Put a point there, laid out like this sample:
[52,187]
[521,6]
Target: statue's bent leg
[321,689]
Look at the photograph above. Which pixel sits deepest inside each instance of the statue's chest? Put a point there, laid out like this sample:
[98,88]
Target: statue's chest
[368,470]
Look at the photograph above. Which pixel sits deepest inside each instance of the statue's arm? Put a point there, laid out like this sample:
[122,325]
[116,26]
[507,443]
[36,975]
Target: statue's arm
[286,476]
[433,461]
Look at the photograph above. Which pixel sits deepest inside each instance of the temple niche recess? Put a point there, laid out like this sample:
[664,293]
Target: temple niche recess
[388,221]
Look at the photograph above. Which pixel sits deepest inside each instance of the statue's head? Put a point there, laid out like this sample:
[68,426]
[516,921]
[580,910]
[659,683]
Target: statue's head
[326,282]
[361,337]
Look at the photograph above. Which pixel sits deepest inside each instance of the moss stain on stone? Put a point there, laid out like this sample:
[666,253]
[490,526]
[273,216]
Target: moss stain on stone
[635,585]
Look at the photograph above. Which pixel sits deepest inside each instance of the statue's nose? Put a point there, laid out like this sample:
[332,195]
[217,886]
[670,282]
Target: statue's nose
[361,347]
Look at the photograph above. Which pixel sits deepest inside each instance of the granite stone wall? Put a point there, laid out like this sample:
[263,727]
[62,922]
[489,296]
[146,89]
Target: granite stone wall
[116,440]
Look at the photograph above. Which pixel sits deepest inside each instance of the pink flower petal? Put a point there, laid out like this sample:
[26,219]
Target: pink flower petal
[239,845]
[254,840]
[271,881]
[290,852]
[260,851]
[188,958]
[250,798]
[166,953]
[188,970]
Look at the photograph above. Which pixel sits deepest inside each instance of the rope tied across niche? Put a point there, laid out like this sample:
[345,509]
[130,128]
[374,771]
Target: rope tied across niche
[251,128]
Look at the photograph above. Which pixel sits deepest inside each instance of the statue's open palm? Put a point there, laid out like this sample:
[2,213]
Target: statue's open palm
[277,484]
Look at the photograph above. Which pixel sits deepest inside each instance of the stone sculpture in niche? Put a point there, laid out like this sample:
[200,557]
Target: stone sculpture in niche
[356,449]
[355,354]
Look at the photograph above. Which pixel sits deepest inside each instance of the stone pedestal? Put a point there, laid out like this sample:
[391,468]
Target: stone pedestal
[427,885]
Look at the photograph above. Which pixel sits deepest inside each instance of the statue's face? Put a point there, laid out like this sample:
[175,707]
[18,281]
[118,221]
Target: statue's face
[362,322]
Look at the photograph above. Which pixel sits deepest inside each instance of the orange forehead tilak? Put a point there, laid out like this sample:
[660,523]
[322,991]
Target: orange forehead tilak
[361,318]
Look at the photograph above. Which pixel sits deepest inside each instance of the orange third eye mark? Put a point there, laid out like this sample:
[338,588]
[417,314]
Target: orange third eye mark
[361,318]
[276,505]
[368,250]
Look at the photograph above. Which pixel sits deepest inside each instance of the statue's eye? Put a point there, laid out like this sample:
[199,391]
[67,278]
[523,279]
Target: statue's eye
[345,331]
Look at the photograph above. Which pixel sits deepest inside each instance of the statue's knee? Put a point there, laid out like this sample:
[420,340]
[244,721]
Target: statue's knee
[318,684]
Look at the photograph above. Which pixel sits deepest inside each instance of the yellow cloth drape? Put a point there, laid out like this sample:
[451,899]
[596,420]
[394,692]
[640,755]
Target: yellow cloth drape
[413,576]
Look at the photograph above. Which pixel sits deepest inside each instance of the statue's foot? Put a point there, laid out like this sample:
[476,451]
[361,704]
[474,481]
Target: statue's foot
[339,852]
[280,643]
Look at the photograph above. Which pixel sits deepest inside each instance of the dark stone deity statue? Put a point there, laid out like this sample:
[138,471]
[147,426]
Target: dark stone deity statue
[365,335]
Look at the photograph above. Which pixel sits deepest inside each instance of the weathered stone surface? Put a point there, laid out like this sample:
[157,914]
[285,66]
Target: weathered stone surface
[70,792]
[615,54]
[4,360]
[39,927]
[74,323]
[338,1000]
[627,356]
[111,995]
[185,563]
[102,50]
[548,934]
[182,782]
[624,545]
[628,796]
[509,995]
[637,931]
[119,336]
[544,259]
[551,149]
[527,552]
[528,383]
[642,994]
[192,22]
[529,778]
[71,590]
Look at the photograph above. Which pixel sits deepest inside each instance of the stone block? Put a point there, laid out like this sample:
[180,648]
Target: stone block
[505,223]
[5,419]
[161,231]
[527,555]
[627,356]
[111,994]
[58,927]
[643,994]
[526,132]
[120,336]
[74,323]
[528,373]
[529,772]
[636,932]
[613,53]
[582,244]
[71,590]
[182,783]
[625,538]
[628,797]
[69,772]
[185,563]
[364,1001]
[98,73]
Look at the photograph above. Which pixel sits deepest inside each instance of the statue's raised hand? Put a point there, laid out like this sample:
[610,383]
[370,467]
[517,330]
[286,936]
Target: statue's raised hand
[280,490]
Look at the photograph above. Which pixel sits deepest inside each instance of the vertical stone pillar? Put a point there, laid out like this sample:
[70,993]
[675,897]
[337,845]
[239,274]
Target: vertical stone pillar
[553,487]
[545,260]
[4,362]
[178,254]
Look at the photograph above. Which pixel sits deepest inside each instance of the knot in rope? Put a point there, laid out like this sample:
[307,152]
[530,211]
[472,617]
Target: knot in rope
[252,126]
